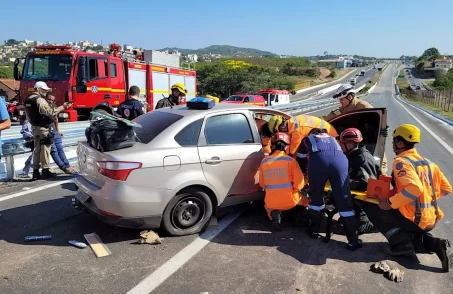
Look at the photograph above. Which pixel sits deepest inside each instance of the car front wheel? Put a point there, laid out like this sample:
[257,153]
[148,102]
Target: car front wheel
[187,213]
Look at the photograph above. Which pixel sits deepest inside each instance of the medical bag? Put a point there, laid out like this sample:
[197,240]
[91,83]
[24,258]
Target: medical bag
[109,135]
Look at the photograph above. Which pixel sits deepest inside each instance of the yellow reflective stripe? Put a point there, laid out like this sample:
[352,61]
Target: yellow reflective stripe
[108,90]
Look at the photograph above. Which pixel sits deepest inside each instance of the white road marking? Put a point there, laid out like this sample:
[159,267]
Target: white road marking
[448,148]
[166,270]
[33,190]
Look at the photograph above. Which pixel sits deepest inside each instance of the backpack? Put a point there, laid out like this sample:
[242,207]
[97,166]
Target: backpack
[109,135]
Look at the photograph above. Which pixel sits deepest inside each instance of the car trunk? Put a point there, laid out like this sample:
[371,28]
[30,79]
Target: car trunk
[87,159]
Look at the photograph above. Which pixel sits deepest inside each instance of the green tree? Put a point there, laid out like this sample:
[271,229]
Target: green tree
[11,42]
[6,72]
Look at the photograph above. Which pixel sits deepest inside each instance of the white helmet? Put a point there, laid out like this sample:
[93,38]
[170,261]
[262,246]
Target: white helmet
[343,91]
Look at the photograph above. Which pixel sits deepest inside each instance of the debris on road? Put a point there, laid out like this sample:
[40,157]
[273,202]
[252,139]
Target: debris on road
[78,244]
[380,267]
[38,238]
[97,245]
[395,274]
[149,237]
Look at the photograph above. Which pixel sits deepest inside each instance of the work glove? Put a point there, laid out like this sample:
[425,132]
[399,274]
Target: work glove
[385,131]
[395,274]
[380,267]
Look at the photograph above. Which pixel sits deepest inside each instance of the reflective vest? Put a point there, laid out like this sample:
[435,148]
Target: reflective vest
[419,183]
[33,114]
[300,126]
[282,179]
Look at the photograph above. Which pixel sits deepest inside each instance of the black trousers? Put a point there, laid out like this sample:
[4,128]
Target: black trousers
[397,228]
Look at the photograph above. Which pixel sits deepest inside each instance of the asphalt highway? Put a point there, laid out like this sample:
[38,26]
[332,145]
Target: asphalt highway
[242,257]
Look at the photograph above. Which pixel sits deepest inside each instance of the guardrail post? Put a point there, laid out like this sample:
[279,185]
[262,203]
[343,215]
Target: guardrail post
[9,162]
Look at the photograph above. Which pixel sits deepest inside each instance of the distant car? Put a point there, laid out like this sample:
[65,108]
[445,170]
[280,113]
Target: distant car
[418,88]
[189,165]
[246,99]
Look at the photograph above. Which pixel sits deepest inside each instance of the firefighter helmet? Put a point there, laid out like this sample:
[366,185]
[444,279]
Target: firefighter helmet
[281,137]
[181,88]
[343,91]
[274,123]
[408,132]
[351,134]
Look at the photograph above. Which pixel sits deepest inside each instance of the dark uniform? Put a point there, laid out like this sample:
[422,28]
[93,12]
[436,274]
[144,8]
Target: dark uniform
[326,161]
[169,101]
[131,108]
[362,167]
[40,115]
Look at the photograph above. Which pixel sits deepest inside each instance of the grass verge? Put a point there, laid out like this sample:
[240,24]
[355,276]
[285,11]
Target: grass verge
[305,82]
[437,110]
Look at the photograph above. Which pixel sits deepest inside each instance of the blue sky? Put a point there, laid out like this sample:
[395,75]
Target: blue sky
[305,27]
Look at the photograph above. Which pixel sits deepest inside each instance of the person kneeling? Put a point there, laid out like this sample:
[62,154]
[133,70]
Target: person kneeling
[281,178]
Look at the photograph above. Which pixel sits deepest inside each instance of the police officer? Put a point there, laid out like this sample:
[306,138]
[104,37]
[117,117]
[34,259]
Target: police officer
[40,115]
[178,92]
[412,211]
[280,176]
[132,107]
[326,161]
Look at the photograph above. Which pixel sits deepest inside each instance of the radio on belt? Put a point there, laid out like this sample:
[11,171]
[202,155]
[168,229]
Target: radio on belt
[200,103]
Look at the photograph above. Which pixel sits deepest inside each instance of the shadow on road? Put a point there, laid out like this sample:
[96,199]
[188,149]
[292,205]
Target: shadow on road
[295,242]
[57,218]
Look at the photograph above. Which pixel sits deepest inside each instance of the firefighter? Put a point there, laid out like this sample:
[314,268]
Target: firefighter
[362,166]
[412,211]
[326,161]
[132,107]
[178,93]
[348,102]
[40,115]
[281,178]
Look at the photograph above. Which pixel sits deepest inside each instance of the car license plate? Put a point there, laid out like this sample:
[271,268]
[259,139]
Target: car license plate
[82,197]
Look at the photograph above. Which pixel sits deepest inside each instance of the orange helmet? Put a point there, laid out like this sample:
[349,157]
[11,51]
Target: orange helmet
[351,134]
[281,137]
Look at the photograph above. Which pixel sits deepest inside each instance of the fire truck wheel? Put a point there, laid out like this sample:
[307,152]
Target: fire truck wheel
[187,213]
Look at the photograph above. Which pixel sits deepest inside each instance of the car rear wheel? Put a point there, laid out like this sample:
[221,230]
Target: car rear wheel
[187,213]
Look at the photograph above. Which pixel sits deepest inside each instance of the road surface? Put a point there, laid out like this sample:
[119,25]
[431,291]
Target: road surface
[245,257]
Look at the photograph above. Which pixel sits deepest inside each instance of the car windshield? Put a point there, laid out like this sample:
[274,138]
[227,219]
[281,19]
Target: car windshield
[265,95]
[154,123]
[47,68]
[235,98]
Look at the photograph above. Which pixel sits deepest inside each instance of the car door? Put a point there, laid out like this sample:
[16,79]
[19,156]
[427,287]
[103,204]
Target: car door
[230,154]
[370,122]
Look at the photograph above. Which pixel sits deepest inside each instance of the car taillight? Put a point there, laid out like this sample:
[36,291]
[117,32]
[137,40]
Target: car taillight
[117,170]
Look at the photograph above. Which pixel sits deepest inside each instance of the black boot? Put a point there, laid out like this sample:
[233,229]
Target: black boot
[314,223]
[400,243]
[440,247]
[36,174]
[276,220]
[350,226]
[46,174]
[365,225]
[301,216]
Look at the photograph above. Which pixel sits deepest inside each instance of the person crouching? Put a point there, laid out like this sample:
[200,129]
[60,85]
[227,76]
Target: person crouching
[281,178]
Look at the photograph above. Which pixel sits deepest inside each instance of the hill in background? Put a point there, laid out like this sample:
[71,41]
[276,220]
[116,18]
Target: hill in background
[224,50]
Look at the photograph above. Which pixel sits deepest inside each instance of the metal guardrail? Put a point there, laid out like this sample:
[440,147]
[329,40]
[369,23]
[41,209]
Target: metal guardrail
[16,146]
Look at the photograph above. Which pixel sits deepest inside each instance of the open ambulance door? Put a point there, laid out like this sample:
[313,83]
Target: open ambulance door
[370,122]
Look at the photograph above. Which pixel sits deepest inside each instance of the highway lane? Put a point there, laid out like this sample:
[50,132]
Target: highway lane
[245,257]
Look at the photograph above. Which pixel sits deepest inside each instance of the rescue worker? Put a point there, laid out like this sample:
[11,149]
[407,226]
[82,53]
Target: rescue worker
[362,166]
[178,93]
[348,102]
[40,115]
[326,161]
[281,178]
[132,107]
[412,211]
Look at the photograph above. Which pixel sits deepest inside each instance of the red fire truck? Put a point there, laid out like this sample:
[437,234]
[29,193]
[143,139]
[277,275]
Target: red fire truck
[274,96]
[89,78]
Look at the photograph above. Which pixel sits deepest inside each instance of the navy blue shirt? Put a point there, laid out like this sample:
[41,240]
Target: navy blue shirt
[130,109]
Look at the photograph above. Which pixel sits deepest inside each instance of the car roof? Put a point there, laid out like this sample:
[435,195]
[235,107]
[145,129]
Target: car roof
[183,110]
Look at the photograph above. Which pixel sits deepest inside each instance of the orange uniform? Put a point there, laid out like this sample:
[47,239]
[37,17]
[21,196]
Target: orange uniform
[282,179]
[419,183]
[301,125]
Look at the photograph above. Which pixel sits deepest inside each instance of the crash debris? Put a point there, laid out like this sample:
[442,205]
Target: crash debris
[149,237]
[97,245]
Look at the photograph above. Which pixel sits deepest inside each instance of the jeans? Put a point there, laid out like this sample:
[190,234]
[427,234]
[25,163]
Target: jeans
[27,166]
[57,152]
